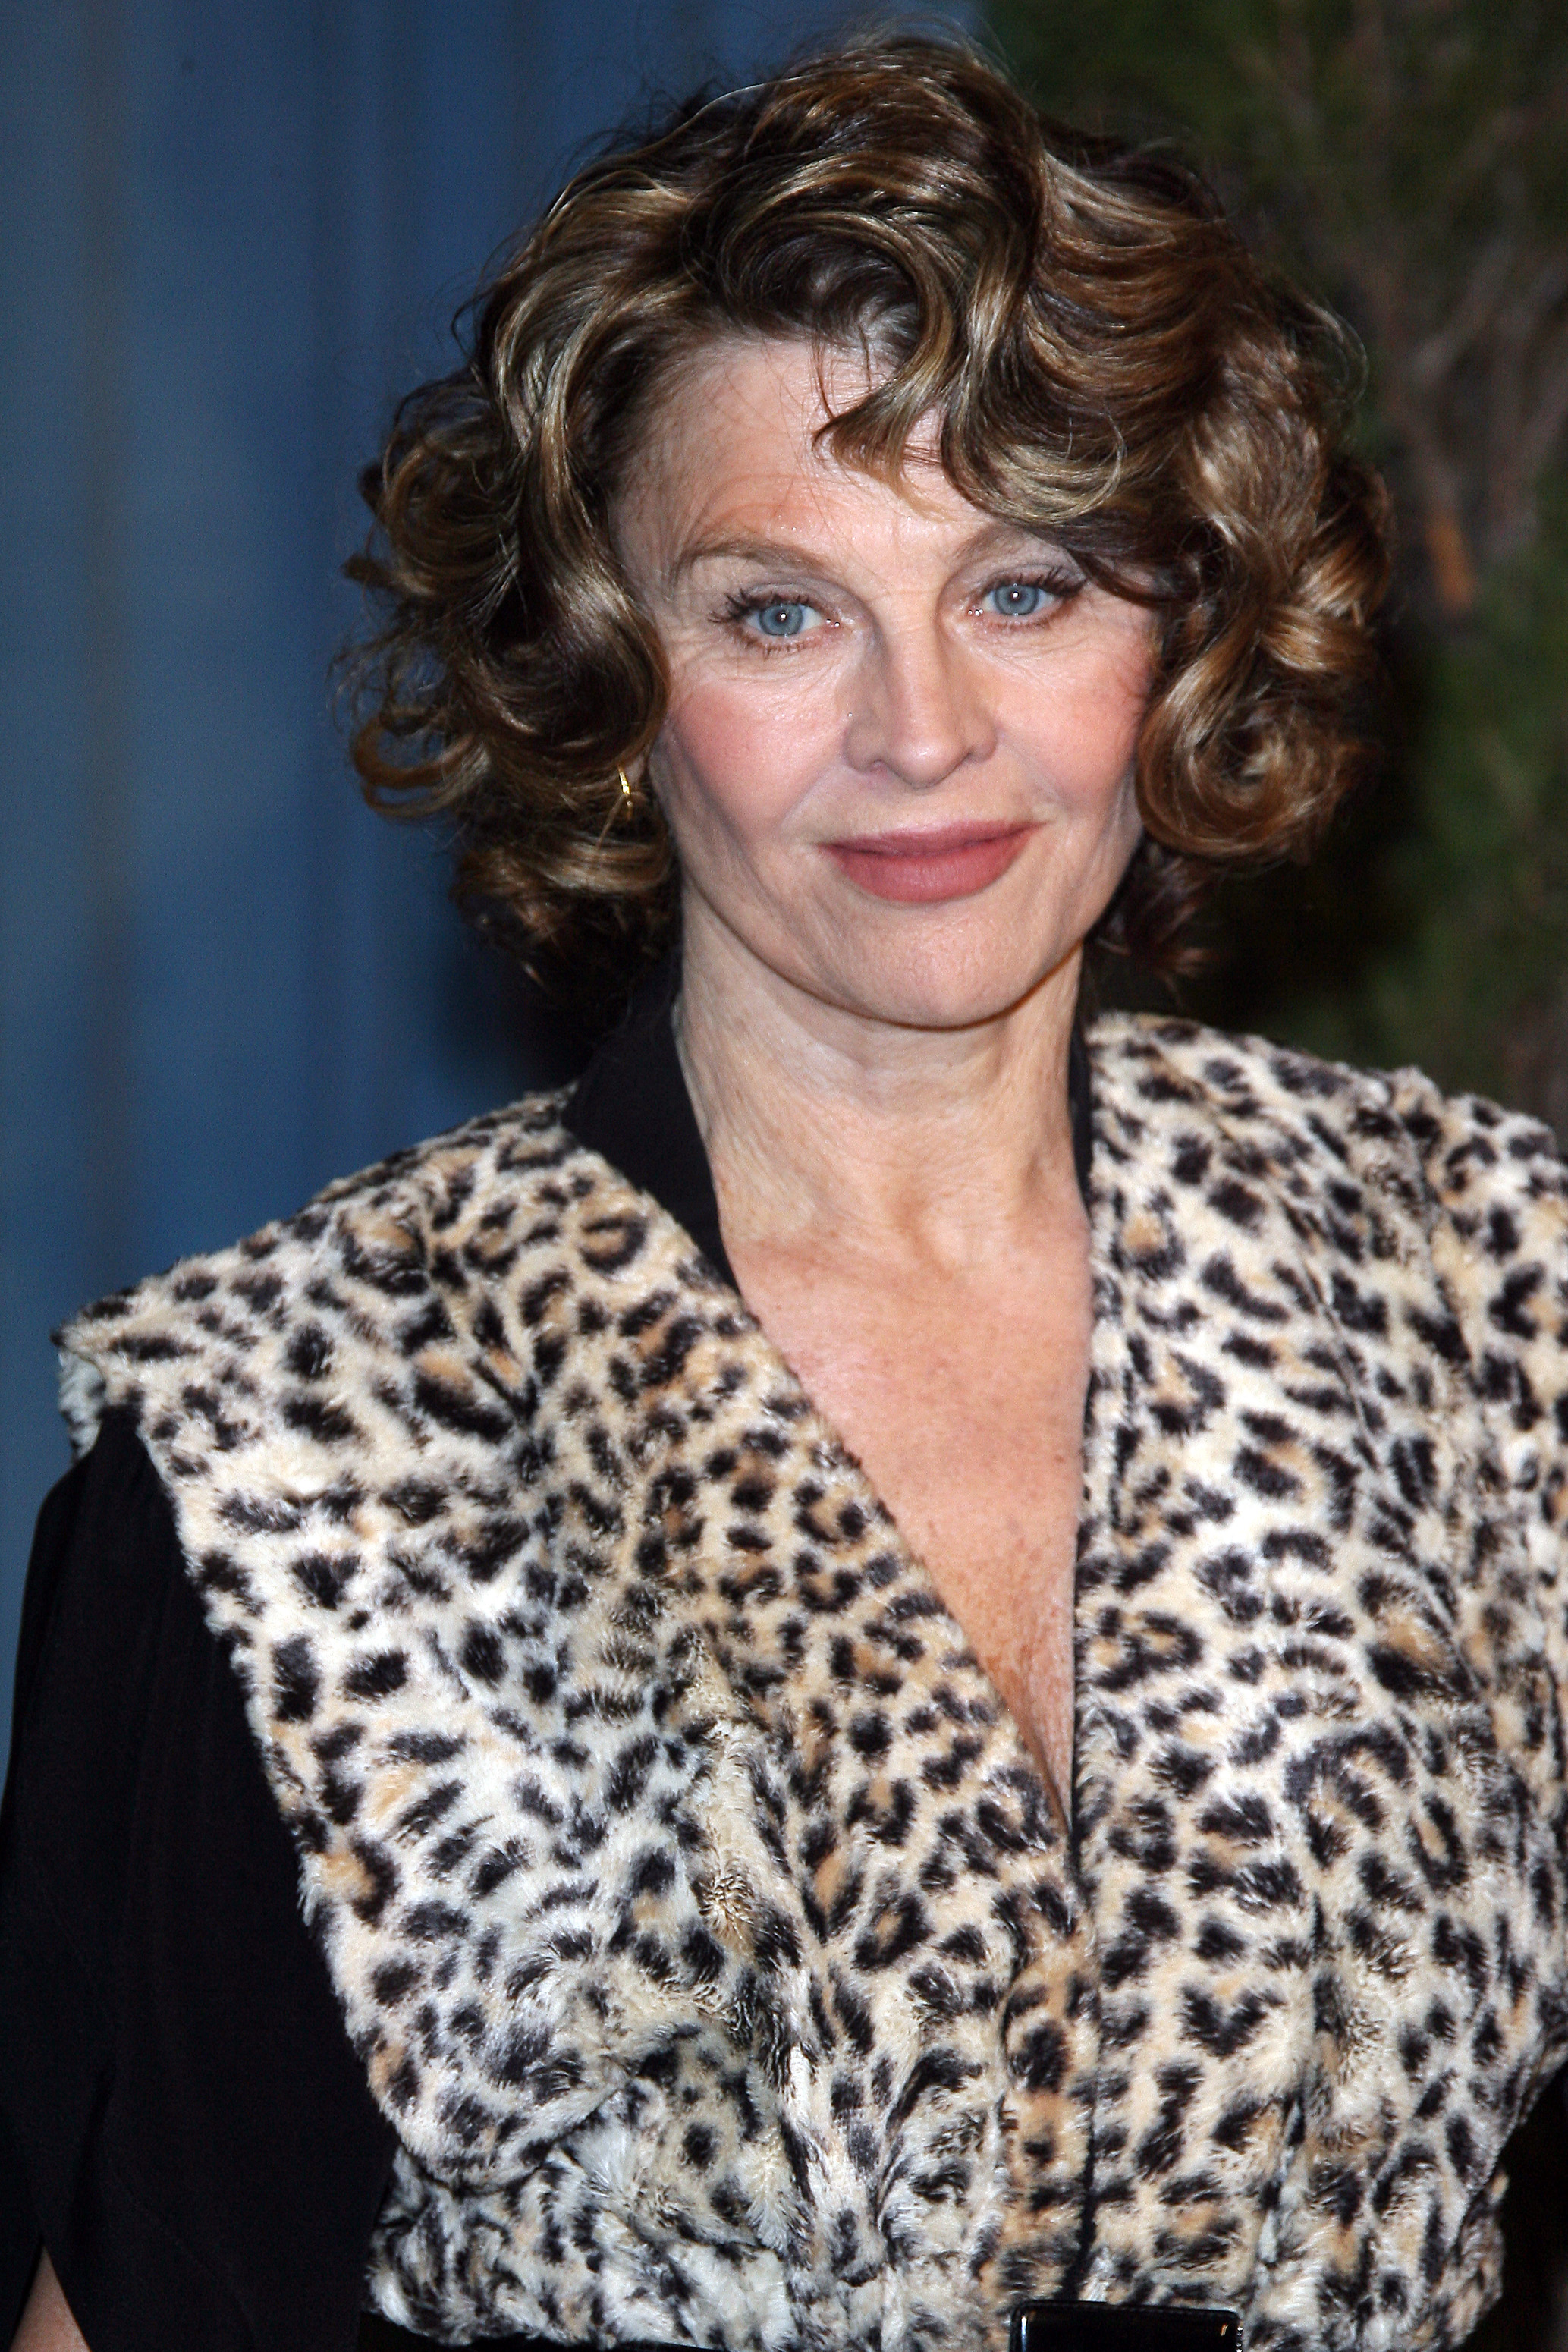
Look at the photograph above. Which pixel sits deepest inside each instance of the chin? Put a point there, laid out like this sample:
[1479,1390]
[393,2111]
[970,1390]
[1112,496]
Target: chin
[962,962]
[951,982]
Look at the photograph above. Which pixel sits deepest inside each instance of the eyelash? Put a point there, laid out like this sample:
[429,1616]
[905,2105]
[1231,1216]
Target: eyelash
[746,601]
[746,604]
[1062,585]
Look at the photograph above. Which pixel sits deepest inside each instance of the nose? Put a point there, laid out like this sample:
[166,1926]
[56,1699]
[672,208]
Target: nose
[919,711]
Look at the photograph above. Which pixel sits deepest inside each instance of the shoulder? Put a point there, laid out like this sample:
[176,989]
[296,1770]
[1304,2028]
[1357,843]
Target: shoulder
[1159,1073]
[343,1271]
[1455,1207]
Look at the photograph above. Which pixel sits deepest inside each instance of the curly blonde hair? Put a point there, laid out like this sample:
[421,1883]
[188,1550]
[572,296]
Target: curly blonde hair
[1100,354]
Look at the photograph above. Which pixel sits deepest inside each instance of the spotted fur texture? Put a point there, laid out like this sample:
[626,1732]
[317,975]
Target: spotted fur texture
[703,1926]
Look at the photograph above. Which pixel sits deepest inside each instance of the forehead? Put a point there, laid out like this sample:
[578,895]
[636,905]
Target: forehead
[775,382]
[737,434]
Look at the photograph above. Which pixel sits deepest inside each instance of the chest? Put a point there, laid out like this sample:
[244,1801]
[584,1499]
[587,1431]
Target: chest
[962,1398]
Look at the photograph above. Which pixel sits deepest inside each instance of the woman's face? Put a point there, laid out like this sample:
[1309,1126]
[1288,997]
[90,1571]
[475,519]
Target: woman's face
[897,758]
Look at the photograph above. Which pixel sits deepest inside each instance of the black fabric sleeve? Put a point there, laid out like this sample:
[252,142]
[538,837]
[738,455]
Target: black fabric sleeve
[182,2121]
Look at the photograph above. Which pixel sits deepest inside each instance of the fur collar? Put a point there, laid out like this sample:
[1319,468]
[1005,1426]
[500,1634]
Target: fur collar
[700,1918]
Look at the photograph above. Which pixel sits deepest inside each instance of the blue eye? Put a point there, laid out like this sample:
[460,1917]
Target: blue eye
[1016,600]
[783,616]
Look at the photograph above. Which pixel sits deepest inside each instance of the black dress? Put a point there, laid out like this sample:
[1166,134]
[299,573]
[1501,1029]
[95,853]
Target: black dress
[182,2121]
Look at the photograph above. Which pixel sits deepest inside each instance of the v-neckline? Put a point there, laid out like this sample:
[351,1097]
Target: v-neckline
[634,1108]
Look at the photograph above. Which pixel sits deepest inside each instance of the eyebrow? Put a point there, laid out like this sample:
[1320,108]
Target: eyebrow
[778,555]
[743,551]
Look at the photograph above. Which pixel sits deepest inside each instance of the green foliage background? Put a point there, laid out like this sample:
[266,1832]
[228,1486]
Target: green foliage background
[1434,927]
[1409,159]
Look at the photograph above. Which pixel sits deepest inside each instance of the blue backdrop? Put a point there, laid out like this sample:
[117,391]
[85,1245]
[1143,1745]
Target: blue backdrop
[232,231]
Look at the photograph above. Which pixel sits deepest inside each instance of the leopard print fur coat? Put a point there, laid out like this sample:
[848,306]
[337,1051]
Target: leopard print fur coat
[701,1921]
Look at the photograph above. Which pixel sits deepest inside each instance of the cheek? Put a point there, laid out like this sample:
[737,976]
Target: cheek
[734,756]
[1092,729]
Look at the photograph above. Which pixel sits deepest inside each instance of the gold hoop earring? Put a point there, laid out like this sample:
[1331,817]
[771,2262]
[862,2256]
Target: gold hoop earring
[622,811]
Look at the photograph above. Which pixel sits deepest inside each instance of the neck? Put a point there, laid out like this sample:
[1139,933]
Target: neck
[938,1145]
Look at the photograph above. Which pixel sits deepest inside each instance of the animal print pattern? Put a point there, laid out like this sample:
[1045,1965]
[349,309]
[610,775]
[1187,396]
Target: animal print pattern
[702,1923]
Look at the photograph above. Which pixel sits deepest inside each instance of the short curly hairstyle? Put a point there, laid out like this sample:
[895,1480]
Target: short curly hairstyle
[1098,356]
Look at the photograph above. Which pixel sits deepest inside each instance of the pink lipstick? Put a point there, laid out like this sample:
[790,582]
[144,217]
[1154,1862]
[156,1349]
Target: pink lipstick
[951,861]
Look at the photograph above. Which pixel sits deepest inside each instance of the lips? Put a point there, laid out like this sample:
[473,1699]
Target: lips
[923,868]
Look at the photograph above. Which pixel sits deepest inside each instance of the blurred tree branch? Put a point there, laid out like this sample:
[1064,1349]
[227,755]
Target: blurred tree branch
[1409,159]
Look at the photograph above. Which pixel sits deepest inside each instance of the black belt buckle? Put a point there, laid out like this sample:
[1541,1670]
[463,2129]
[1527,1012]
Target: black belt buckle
[1123,2328]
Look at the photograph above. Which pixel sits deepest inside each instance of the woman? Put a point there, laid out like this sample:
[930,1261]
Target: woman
[1018,1759]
